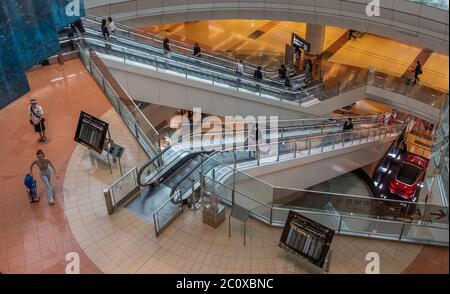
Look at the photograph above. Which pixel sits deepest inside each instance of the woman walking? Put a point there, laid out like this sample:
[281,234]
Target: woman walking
[45,171]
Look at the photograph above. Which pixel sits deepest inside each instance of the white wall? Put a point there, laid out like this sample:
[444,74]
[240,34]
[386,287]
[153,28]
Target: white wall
[402,20]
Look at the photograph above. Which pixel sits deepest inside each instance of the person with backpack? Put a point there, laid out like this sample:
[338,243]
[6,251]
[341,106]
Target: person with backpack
[37,119]
[417,71]
[45,171]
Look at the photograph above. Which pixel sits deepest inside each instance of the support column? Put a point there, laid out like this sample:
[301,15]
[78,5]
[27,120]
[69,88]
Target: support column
[315,34]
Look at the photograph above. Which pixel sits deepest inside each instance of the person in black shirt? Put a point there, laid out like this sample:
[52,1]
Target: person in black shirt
[258,73]
[288,83]
[282,71]
[166,48]
[197,50]
[105,30]
[351,34]
[348,125]
[417,71]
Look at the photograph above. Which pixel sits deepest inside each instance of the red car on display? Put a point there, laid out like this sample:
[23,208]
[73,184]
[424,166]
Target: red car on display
[409,177]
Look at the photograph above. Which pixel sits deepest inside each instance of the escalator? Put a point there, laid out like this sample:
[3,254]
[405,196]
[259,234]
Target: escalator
[126,49]
[176,170]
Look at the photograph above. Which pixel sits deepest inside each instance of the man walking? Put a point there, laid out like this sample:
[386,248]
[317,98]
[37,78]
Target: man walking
[37,119]
[417,71]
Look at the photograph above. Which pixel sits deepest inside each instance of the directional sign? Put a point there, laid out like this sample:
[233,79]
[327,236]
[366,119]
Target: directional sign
[91,132]
[300,42]
[440,214]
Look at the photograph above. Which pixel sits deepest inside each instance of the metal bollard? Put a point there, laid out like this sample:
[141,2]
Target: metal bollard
[108,200]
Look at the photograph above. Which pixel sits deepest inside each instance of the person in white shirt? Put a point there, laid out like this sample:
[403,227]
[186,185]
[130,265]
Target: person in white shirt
[37,119]
[240,67]
[111,25]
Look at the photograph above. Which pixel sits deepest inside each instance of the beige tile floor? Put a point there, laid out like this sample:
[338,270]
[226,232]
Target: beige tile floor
[126,243]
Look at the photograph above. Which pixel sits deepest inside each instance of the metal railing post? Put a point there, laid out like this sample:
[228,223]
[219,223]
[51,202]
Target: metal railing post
[295,150]
[278,152]
[401,232]
[308,141]
[108,200]
[258,155]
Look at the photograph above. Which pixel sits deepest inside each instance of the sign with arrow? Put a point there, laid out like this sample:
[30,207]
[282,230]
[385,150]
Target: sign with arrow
[439,215]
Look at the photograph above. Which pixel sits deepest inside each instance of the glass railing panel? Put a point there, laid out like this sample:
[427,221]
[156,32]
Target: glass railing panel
[166,213]
[440,4]
[258,209]
[433,234]
[251,186]
[219,190]
[371,227]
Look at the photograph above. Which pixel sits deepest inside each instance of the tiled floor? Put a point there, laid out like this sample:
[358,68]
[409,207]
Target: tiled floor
[126,243]
[35,237]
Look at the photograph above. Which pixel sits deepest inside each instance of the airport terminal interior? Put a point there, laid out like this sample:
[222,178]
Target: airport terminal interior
[224,137]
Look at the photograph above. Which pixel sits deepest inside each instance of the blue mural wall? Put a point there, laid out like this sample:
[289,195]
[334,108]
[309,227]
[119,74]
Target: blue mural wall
[28,36]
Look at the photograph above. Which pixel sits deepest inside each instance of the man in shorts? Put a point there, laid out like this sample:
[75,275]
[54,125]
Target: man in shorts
[37,119]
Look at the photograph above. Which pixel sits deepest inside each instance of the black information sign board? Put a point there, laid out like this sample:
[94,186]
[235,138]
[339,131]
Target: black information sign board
[306,238]
[91,132]
[300,42]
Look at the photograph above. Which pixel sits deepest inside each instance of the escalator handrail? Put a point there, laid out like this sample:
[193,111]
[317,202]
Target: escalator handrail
[167,127]
[175,187]
[314,137]
[183,45]
[148,163]
[197,60]
[282,129]
[235,78]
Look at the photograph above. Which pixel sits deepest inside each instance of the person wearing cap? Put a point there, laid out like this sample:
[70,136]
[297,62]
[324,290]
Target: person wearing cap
[37,119]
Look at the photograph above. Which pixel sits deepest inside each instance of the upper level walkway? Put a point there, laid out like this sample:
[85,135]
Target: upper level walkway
[413,22]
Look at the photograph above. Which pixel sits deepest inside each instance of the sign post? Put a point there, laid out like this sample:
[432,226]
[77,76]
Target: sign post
[92,133]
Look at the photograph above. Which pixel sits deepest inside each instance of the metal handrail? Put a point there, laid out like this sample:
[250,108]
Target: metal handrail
[184,46]
[175,187]
[355,118]
[193,59]
[190,135]
[279,129]
[308,138]
[152,161]
[232,77]
[273,207]
[285,141]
